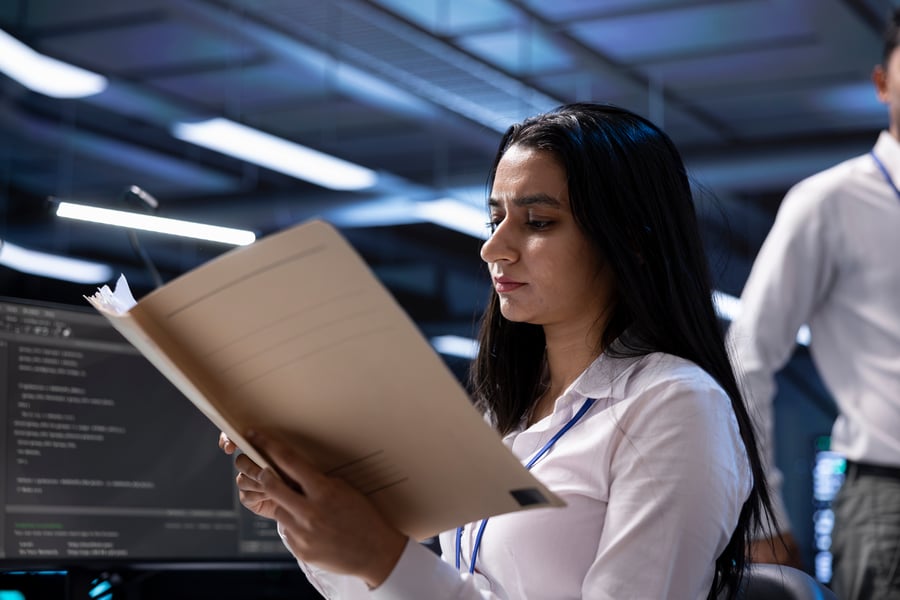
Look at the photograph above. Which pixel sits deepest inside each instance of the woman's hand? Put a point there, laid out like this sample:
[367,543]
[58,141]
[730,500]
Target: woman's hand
[322,520]
[252,499]
[226,444]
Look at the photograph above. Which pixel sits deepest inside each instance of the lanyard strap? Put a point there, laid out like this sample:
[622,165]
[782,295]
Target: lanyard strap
[540,453]
[884,171]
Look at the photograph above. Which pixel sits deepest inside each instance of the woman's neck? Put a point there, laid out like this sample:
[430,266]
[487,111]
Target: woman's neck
[567,356]
[566,363]
[570,349]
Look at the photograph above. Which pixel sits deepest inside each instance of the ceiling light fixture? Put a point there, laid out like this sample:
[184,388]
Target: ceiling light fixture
[121,218]
[455,345]
[276,153]
[454,214]
[52,265]
[46,75]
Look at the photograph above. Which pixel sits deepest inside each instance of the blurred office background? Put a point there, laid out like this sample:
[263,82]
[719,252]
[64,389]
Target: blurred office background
[411,96]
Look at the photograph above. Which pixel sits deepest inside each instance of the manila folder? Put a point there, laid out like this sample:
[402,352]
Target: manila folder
[294,336]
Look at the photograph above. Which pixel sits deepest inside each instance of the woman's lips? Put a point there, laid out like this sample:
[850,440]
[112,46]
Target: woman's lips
[504,285]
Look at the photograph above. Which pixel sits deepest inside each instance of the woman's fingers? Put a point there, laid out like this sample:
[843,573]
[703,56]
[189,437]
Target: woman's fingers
[247,483]
[245,465]
[329,523]
[226,444]
[258,502]
[255,490]
[262,490]
[300,473]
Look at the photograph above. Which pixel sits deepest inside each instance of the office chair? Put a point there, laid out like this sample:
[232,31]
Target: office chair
[778,582]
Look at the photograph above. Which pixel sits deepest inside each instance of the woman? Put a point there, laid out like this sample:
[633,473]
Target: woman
[602,364]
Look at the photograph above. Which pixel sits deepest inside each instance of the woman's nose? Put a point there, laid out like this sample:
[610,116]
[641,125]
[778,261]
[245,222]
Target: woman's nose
[499,246]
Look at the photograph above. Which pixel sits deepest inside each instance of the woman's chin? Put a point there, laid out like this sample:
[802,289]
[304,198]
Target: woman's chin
[515,315]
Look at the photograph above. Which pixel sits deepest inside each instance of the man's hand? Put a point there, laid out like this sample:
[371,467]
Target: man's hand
[778,551]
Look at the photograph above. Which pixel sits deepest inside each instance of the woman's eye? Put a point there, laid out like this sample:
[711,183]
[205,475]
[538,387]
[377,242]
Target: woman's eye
[494,223]
[538,224]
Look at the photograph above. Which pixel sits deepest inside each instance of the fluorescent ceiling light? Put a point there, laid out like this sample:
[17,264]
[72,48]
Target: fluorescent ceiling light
[456,215]
[46,75]
[454,345]
[51,265]
[276,153]
[200,231]
[373,212]
[400,210]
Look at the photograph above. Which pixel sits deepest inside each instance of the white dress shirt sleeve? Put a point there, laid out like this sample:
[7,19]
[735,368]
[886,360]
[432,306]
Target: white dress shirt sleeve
[789,278]
[420,573]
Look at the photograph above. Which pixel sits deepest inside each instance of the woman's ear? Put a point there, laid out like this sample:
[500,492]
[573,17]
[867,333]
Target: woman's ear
[879,79]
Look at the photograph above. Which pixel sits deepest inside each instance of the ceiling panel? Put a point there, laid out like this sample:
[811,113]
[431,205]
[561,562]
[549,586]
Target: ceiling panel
[701,29]
[132,50]
[519,51]
[574,10]
[246,88]
[806,109]
[50,14]
[450,18]
[757,93]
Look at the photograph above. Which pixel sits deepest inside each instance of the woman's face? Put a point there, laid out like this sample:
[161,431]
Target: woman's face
[543,267]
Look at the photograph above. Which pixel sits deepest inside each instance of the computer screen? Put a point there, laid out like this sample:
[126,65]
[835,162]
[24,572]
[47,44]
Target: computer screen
[105,461]
[828,475]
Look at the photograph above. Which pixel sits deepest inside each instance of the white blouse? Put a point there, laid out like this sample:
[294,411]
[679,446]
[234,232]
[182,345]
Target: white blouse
[654,477]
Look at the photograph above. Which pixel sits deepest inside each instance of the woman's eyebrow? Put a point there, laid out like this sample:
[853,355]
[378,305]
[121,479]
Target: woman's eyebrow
[530,200]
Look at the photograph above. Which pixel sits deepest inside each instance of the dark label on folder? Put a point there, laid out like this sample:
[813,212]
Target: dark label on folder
[528,496]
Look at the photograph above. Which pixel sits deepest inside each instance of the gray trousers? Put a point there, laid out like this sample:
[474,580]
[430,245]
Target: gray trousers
[866,539]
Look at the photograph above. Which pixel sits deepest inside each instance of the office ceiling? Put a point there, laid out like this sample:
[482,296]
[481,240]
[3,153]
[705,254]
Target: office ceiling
[756,93]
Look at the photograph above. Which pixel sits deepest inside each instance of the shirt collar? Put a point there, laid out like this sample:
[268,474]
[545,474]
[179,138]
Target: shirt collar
[887,149]
[605,378]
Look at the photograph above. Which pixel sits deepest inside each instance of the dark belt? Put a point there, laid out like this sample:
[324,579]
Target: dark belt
[857,468]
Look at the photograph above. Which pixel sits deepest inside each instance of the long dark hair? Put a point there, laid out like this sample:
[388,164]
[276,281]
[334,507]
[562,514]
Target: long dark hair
[630,195]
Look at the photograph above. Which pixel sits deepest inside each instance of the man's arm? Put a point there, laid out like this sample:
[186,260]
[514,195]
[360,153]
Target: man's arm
[789,278]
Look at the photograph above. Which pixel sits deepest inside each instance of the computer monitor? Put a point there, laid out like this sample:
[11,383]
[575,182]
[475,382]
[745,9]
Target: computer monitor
[104,461]
[829,470]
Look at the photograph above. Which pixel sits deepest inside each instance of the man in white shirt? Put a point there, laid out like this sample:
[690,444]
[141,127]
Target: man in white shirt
[832,261]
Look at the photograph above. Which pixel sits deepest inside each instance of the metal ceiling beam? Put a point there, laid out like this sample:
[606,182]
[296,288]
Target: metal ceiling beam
[654,90]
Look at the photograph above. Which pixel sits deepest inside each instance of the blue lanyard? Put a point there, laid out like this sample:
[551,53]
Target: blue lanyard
[884,172]
[459,530]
